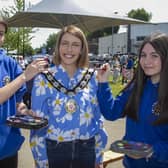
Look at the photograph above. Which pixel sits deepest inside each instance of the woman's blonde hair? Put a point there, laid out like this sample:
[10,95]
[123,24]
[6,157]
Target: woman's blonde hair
[83,60]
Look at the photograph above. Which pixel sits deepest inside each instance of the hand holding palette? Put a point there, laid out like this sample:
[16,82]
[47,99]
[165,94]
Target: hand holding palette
[26,122]
[137,149]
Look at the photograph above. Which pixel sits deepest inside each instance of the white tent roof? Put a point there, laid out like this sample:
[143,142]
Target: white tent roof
[59,13]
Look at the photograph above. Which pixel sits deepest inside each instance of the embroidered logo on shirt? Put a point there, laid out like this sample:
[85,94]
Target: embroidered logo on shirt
[6,80]
[156,109]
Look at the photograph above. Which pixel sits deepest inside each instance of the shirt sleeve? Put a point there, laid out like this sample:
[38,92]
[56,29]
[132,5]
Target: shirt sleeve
[37,144]
[160,151]
[111,108]
[100,137]
[18,71]
[101,142]
[37,137]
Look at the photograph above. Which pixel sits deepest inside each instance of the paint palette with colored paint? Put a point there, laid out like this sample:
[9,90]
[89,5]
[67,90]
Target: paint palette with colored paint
[26,122]
[138,149]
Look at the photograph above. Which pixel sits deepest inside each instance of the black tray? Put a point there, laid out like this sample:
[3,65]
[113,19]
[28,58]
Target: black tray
[26,122]
[138,149]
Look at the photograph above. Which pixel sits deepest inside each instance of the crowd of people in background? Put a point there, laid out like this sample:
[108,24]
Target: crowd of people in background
[122,66]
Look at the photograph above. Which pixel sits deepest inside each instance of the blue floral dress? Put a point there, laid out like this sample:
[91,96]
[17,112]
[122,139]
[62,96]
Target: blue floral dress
[84,123]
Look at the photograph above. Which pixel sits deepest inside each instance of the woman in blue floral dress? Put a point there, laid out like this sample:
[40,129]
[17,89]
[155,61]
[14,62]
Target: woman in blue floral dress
[67,96]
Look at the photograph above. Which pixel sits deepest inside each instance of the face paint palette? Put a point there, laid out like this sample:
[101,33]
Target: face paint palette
[26,122]
[138,149]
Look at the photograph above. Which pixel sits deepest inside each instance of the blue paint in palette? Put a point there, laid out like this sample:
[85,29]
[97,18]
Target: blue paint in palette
[26,122]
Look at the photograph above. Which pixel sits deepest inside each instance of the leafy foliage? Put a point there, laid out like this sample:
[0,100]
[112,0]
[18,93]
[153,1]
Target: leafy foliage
[51,42]
[140,14]
[104,32]
[17,38]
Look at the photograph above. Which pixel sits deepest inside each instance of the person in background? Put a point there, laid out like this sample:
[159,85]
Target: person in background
[21,62]
[66,95]
[115,68]
[123,63]
[123,59]
[27,95]
[144,103]
[12,88]
[129,68]
[124,74]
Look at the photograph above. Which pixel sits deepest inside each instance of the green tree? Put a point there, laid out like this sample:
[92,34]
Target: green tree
[50,43]
[17,38]
[103,32]
[140,14]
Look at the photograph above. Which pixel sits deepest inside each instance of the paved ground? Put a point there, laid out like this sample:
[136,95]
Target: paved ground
[115,131]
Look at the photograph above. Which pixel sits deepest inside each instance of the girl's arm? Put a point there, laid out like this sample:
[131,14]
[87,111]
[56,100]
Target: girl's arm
[33,69]
[111,108]
[8,90]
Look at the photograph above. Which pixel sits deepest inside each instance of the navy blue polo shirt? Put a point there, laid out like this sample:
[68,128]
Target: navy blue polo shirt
[10,138]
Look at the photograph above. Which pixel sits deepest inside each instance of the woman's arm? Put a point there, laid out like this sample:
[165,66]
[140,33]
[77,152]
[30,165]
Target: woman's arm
[33,69]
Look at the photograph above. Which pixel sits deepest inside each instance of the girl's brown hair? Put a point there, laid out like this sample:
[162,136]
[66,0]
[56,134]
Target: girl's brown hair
[159,41]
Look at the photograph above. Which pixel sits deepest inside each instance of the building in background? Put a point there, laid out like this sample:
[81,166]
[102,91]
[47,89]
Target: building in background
[139,32]
[117,43]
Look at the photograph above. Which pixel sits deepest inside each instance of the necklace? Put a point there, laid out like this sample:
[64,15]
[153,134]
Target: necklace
[70,105]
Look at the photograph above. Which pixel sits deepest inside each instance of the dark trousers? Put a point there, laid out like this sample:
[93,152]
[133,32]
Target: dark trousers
[10,162]
[73,154]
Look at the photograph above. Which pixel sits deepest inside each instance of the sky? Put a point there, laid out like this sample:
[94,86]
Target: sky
[156,7]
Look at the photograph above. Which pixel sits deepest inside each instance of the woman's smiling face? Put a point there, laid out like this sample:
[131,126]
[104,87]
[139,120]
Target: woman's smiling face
[70,49]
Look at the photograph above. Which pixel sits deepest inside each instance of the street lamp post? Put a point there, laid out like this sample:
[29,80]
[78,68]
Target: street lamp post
[129,39]
[112,29]
[23,32]
[112,38]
